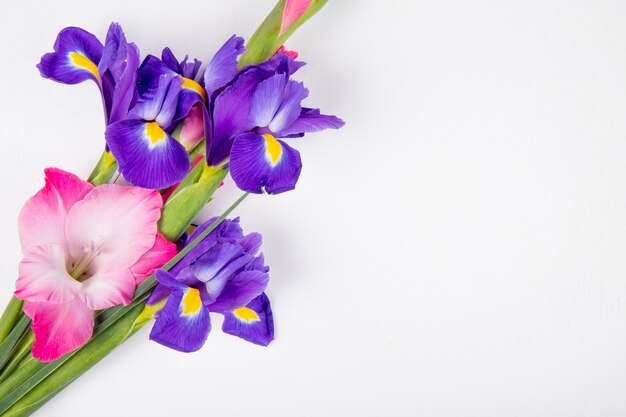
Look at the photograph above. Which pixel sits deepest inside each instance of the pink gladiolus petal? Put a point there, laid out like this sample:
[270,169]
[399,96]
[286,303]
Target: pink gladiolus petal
[292,12]
[42,220]
[43,276]
[116,224]
[288,52]
[155,258]
[59,328]
[108,289]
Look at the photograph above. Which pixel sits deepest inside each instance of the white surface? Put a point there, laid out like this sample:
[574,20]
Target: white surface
[456,250]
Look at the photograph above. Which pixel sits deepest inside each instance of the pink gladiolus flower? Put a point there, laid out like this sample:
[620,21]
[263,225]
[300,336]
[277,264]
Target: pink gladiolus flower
[85,248]
[292,12]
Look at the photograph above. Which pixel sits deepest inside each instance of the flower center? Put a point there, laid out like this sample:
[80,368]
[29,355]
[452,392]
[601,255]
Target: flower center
[78,268]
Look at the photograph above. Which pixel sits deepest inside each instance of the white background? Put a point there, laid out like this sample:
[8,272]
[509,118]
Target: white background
[456,250]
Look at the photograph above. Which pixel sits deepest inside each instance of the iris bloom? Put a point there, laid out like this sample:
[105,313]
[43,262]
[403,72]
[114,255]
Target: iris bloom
[146,152]
[195,98]
[85,248]
[261,104]
[143,145]
[222,274]
[79,56]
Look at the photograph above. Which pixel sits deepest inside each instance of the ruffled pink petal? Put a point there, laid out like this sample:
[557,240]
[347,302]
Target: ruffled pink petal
[42,219]
[108,289]
[162,251]
[43,276]
[292,12]
[118,223]
[59,328]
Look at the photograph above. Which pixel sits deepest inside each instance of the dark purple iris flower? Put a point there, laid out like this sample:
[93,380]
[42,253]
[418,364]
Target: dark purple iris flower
[223,274]
[240,113]
[259,105]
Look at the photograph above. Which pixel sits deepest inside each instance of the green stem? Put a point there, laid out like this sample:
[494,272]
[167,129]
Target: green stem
[10,316]
[104,169]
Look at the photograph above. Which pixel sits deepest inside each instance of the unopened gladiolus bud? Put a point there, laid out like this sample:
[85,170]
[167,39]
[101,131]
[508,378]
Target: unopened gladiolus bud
[282,21]
[293,10]
[193,128]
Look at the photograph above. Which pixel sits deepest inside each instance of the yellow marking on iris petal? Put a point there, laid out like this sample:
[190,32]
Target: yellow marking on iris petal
[246,314]
[154,133]
[83,62]
[273,150]
[190,84]
[191,302]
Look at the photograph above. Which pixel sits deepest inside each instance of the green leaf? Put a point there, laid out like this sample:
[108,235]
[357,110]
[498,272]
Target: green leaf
[97,348]
[193,193]
[20,353]
[9,344]
[11,314]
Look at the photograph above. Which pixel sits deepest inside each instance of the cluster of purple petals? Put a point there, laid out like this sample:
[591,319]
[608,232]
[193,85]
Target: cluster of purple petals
[243,113]
[222,274]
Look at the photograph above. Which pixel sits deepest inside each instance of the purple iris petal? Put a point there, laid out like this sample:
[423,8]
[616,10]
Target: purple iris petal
[114,52]
[260,163]
[223,66]
[170,103]
[231,113]
[215,267]
[311,120]
[226,232]
[252,243]
[118,68]
[125,92]
[240,290]
[149,74]
[267,99]
[190,69]
[147,155]
[160,103]
[167,280]
[290,107]
[184,68]
[159,293]
[75,58]
[282,63]
[184,322]
[186,100]
[168,58]
[254,322]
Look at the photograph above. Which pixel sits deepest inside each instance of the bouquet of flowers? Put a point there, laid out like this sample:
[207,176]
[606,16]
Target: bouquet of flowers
[106,256]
